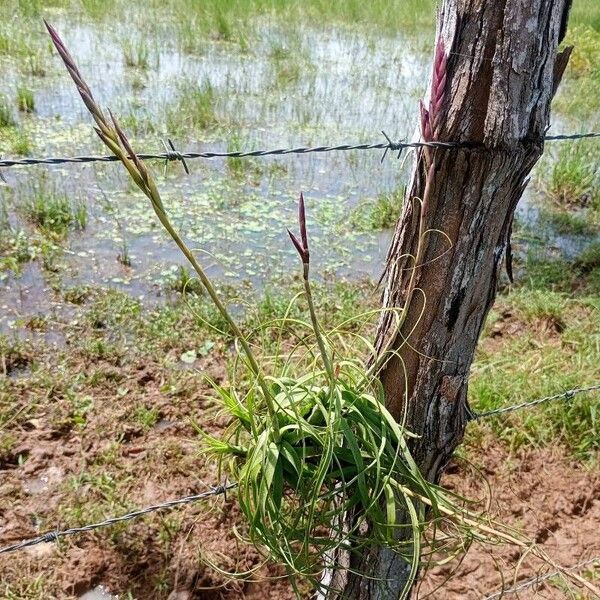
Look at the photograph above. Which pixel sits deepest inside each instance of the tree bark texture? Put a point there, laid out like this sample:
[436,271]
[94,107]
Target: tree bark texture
[502,70]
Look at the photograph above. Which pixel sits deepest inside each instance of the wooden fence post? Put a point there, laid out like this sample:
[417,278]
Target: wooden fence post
[498,67]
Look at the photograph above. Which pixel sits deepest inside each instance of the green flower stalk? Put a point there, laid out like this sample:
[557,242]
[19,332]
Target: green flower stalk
[302,248]
[113,136]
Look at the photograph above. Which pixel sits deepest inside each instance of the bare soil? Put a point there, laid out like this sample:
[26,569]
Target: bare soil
[57,476]
[544,494]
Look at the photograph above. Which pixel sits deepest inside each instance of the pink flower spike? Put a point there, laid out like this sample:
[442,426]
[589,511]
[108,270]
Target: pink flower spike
[439,62]
[425,123]
[438,87]
[301,251]
[128,148]
[302,222]
[56,38]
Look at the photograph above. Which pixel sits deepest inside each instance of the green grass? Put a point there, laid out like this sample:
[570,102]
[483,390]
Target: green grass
[589,260]
[569,223]
[557,347]
[27,589]
[542,338]
[99,9]
[242,168]
[380,213]
[195,109]
[54,212]
[585,12]
[35,63]
[6,116]
[12,136]
[228,19]
[76,294]
[579,277]
[570,180]
[578,98]
[21,144]
[574,178]
[183,282]
[146,417]
[136,54]
[25,100]
[289,62]
[14,39]
[16,246]
[14,354]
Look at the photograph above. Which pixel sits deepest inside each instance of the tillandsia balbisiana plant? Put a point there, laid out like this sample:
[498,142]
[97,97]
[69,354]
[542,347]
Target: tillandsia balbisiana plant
[306,450]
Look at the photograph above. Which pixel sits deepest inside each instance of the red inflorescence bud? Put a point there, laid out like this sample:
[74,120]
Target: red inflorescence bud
[302,244]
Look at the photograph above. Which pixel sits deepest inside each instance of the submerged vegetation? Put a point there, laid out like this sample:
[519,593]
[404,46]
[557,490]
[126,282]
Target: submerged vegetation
[381,213]
[195,109]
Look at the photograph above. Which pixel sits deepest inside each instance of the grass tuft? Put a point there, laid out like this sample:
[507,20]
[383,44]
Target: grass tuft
[589,259]
[136,54]
[574,177]
[195,109]
[183,282]
[6,116]
[54,212]
[381,213]
[25,100]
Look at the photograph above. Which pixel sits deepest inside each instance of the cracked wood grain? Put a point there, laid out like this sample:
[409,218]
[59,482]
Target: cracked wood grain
[503,70]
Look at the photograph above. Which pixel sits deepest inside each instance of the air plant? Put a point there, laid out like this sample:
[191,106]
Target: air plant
[430,119]
[338,450]
[303,450]
[430,116]
[306,450]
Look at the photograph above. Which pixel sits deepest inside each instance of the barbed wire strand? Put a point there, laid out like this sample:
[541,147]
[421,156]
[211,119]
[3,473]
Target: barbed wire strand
[53,536]
[568,395]
[540,579]
[174,155]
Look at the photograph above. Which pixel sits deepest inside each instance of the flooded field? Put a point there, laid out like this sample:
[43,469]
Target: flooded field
[104,359]
[281,88]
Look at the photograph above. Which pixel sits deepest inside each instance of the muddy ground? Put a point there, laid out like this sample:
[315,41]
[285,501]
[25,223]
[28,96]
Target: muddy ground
[552,498]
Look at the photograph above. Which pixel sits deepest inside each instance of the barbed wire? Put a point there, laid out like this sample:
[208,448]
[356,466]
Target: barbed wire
[171,154]
[540,579]
[53,536]
[568,395]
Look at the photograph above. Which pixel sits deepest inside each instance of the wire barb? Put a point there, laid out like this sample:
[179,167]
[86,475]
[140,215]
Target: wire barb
[172,154]
[392,146]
